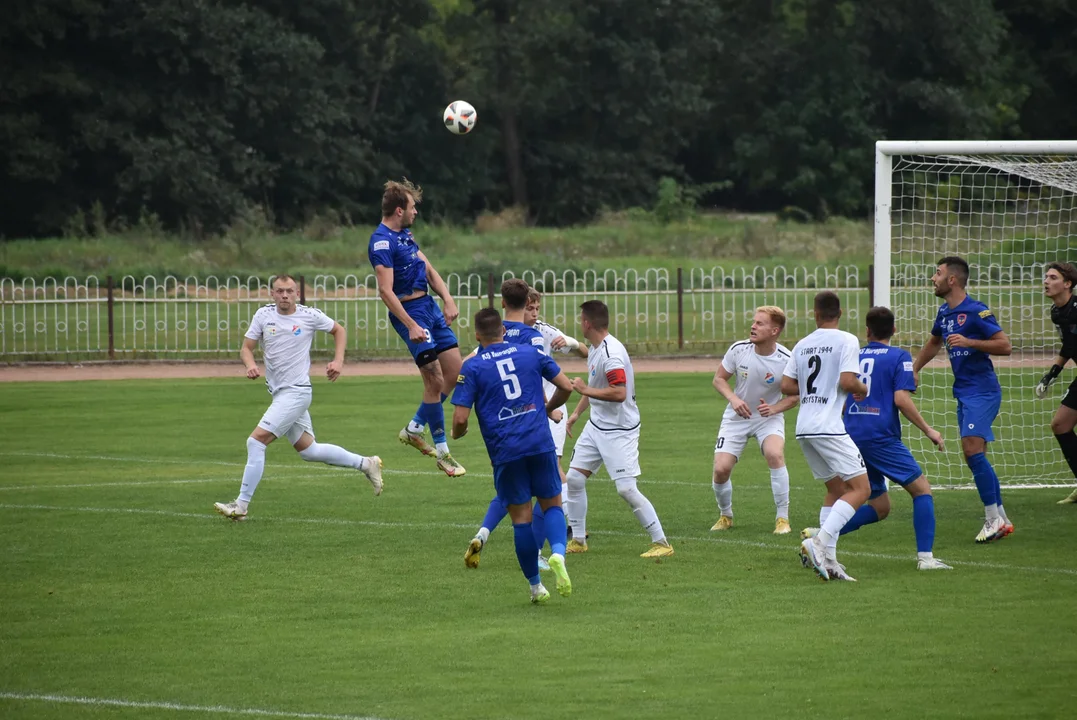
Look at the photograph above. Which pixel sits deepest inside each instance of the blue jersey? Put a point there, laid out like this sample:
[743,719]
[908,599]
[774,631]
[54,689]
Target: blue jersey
[399,251]
[518,333]
[504,384]
[974,373]
[885,370]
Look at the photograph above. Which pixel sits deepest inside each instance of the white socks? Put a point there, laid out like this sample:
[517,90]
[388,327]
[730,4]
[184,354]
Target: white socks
[252,471]
[331,455]
[483,534]
[829,531]
[641,507]
[991,512]
[779,485]
[415,428]
[576,504]
[723,493]
[442,448]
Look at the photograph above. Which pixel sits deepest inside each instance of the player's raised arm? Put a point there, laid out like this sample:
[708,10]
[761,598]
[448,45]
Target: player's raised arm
[433,279]
[385,292]
[340,343]
[246,354]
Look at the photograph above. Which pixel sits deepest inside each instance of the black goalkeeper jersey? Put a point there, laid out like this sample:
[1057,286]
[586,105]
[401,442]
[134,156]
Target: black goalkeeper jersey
[1065,318]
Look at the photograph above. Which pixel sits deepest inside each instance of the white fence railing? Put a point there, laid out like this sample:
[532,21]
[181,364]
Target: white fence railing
[652,311]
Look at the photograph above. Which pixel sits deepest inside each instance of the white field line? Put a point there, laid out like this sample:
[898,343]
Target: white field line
[177,707]
[790,548]
[391,471]
[135,483]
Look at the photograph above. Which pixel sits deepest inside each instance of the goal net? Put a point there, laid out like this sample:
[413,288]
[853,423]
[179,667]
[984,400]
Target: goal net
[1008,208]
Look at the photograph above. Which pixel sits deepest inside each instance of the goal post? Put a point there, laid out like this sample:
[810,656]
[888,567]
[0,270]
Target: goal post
[1008,208]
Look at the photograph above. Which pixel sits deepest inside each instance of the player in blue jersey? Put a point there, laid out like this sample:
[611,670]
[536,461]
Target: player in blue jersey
[971,334]
[405,277]
[514,294]
[874,426]
[1058,283]
[504,384]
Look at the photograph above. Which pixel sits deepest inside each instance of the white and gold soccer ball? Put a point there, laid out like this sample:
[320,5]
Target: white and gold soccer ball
[460,117]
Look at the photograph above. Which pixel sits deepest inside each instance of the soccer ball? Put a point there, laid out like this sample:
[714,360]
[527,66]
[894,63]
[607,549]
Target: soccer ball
[460,117]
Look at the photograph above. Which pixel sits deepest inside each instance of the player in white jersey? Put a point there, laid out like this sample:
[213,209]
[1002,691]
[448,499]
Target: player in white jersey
[823,371]
[757,364]
[611,436]
[285,330]
[553,341]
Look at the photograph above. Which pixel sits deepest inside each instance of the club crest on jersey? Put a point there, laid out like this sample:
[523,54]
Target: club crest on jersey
[961,319]
[769,378]
[296,330]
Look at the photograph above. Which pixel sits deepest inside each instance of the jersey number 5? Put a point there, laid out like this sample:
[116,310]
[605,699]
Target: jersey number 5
[511,384]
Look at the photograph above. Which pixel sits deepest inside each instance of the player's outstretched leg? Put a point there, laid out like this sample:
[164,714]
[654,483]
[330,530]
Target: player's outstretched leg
[495,513]
[557,532]
[312,451]
[648,518]
[252,475]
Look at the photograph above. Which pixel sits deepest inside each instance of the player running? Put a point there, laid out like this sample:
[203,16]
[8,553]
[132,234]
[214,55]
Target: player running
[757,364]
[1058,284]
[514,294]
[971,334]
[504,384]
[874,426]
[405,276]
[285,330]
[611,437]
[823,372]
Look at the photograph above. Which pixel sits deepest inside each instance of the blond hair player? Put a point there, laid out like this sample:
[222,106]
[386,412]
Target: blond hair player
[755,410]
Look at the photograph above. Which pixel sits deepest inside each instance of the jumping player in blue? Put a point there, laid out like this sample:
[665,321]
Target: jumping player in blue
[405,277]
[514,294]
[504,384]
[874,426]
[971,334]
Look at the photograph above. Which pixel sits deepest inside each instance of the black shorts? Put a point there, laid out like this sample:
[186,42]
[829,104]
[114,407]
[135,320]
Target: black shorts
[1070,398]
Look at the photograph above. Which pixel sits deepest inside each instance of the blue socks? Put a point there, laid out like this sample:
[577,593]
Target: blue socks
[865,515]
[538,525]
[494,514]
[923,522]
[420,418]
[434,414]
[556,529]
[527,551]
[985,478]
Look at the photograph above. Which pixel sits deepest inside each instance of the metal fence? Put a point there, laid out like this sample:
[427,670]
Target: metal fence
[657,311]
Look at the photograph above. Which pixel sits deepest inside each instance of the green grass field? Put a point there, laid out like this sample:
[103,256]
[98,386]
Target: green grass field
[120,585]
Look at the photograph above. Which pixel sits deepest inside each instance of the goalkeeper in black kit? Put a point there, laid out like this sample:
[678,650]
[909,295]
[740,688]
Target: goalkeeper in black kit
[1058,284]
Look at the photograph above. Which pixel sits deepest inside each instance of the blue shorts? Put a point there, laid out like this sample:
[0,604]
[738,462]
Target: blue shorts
[975,414]
[517,481]
[439,336]
[888,459]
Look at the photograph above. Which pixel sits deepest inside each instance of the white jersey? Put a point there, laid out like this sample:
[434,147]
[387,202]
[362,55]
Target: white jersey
[608,361]
[549,334]
[817,363]
[285,341]
[758,377]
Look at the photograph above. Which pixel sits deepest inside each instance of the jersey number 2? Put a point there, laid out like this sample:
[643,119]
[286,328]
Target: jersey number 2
[814,366]
[511,383]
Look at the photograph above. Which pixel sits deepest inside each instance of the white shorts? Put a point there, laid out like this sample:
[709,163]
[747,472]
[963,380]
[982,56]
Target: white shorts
[831,456]
[734,433]
[558,432]
[618,450]
[287,414]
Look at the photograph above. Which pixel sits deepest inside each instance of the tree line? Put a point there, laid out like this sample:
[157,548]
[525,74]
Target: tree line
[195,114]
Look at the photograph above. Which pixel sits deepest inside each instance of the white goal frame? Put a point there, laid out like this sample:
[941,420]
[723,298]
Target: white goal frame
[887,153]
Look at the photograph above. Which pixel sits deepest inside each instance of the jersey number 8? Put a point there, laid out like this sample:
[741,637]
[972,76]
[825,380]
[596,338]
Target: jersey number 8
[508,374]
[866,366]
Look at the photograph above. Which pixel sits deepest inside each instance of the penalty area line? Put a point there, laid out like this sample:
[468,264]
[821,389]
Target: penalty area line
[177,707]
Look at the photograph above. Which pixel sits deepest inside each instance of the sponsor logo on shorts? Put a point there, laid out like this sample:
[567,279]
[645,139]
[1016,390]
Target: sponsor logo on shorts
[972,425]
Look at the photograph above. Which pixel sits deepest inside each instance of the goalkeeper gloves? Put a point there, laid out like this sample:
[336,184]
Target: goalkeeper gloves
[1041,389]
